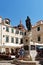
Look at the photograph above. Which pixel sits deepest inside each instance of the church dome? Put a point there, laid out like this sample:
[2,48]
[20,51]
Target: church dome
[21,26]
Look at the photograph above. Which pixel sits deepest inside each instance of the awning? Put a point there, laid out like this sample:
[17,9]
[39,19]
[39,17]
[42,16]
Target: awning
[33,43]
[40,44]
[11,45]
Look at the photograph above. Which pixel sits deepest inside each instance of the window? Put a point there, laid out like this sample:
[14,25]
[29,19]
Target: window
[24,33]
[7,38]
[26,47]
[21,41]
[12,30]
[12,40]
[17,32]
[32,47]
[26,40]
[21,33]
[3,35]
[38,38]
[7,29]
[38,29]
[16,40]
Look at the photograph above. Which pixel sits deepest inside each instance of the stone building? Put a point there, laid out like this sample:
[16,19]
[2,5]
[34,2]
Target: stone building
[10,34]
[37,32]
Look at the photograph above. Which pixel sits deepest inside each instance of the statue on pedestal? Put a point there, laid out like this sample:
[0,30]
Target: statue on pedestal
[26,39]
[25,56]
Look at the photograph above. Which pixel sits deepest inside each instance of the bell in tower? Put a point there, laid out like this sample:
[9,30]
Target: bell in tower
[7,21]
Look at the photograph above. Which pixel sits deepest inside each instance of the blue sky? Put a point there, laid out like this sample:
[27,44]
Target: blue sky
[20,9]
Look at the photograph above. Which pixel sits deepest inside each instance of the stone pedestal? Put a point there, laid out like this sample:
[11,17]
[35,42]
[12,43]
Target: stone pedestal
[26,42]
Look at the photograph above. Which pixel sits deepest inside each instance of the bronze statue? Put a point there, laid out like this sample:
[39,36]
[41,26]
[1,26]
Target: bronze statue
[28,24]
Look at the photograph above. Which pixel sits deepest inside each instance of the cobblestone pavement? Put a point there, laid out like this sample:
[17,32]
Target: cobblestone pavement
[5,63]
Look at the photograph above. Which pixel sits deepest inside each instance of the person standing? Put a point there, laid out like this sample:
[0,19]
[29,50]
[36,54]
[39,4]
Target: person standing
[16,53]
[21,53]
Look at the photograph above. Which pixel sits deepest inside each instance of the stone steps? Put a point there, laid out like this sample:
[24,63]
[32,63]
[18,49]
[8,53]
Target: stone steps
[37,63]
[6,64]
